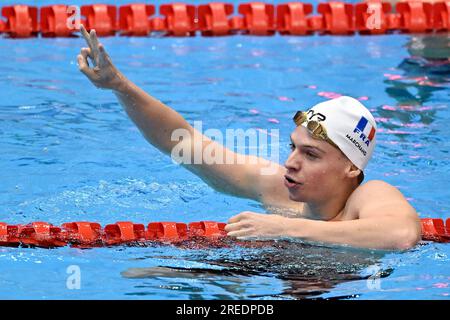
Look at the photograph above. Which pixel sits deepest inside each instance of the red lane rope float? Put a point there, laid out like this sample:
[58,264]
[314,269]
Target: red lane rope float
[365,21]
[134,19]
[179,19]
[441,12]
[415,16]
[259,18]
[21,21]
[337,18]
[435,230]
[167,231]
[54,21]
[215,19]
[124,232]
[291,18]
[101,17]
[83,234]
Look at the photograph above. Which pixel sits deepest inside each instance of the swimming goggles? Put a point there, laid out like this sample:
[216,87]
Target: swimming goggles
[315,128]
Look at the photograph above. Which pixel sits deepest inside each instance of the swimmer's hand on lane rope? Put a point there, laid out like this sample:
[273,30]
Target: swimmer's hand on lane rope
[104,74]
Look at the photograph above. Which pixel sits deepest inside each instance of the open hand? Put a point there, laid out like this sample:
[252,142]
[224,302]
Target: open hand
[104,74]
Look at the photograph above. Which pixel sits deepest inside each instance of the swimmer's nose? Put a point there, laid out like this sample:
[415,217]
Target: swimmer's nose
[292,163]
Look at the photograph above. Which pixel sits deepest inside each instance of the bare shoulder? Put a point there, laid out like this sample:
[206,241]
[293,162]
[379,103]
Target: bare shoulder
[374,189]
[378,196]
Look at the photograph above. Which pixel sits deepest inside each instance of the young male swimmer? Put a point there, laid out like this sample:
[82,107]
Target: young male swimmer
[320,180]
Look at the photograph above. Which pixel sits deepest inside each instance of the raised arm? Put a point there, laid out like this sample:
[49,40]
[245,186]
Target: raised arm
[157,122]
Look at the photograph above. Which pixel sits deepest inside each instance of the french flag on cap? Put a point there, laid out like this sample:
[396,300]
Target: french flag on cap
[366,130]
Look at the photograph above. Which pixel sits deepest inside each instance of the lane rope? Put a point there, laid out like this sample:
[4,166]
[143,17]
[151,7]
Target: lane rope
[218,19]
[84,234]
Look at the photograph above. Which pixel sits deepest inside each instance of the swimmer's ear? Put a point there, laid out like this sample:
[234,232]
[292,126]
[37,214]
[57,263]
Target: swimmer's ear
[353,171]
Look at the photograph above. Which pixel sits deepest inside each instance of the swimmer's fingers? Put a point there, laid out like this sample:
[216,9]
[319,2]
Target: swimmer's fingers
[86,52]
[90,40]
[86,36]
[239,217]
[243,234]
[95,47]
[104,57]
[230,228]
[83,64]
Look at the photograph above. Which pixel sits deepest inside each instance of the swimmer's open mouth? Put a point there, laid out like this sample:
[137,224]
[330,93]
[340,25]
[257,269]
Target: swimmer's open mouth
[290,180]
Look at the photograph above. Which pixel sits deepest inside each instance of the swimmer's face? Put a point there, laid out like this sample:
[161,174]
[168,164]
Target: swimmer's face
[315,169]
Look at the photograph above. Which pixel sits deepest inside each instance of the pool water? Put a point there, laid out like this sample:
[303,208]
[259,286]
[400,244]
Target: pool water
[70,153]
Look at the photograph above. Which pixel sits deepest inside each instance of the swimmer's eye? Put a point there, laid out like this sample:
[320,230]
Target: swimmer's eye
[311,155]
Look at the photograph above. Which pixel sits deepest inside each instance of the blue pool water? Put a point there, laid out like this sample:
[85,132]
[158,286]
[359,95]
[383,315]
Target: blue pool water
[70,153]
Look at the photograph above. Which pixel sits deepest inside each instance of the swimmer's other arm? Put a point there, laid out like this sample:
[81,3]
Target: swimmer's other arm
[157,122]
[386,221]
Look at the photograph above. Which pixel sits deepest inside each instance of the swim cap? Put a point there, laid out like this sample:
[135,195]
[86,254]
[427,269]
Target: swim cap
[350,125]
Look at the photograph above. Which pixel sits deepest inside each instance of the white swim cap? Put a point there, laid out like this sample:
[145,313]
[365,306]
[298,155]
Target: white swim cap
[350,125]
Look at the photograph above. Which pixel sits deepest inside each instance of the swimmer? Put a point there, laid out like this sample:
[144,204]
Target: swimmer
[320,181]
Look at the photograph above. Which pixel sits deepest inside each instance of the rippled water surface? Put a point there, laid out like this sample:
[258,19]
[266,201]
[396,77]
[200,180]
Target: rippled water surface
[70,153]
